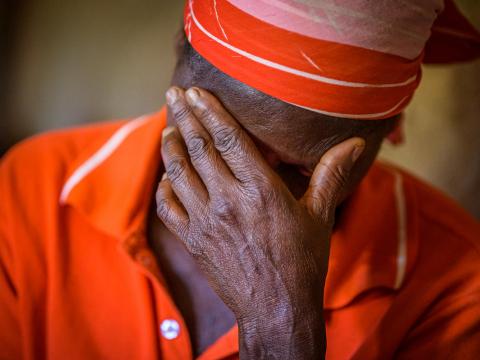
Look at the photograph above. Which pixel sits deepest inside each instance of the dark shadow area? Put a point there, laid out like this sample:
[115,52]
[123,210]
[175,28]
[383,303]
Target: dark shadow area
[9,14]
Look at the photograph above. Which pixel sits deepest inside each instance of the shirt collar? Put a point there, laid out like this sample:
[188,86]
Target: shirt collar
[375,241]
[111,183]
[374,244]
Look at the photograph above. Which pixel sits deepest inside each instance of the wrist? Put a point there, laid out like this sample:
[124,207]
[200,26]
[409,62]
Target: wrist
[284,331]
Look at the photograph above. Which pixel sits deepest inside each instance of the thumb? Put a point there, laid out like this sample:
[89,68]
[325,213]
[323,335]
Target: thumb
[330,177]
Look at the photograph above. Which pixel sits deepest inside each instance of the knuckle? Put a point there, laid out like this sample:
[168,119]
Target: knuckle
[182,231]
[266,195]
[180,112]
[320,203]
[258,191]
[224,210]
[339,175]
[227,139]
[197,146]
[176,169]
[163,208]
[194,248]
[260,182]
[204,109]
[169,144]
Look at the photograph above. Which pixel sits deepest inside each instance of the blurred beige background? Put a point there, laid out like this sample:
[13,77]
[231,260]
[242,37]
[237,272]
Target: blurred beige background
[72,62]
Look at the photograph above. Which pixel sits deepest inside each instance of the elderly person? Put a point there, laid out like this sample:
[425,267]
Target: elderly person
[248,219]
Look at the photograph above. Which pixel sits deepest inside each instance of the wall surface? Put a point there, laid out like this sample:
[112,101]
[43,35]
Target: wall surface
[83,61]
[442,130]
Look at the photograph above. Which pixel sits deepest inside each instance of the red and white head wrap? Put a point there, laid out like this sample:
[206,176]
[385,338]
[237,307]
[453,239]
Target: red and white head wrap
[354,59]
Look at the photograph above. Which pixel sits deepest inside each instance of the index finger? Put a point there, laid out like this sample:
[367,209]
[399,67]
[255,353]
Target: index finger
[232,142]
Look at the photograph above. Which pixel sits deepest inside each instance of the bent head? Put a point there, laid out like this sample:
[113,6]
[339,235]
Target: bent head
[291,51]
[291,138]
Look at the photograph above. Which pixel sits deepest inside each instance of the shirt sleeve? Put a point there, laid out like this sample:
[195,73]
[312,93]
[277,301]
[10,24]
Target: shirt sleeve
[451,330]
[10,339]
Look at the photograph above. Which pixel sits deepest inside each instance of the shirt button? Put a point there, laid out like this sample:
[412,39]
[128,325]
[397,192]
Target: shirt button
[132,242]
[170,329]
[145,259]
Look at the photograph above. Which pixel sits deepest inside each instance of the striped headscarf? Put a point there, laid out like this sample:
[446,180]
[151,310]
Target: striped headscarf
[355,59]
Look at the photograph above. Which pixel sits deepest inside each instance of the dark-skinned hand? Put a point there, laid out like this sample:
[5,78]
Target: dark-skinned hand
[264,252]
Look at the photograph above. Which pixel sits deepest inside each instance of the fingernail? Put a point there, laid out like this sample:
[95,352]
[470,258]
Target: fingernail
[171,95]
[167,131]
[164,176]
[357,151]
[192,95]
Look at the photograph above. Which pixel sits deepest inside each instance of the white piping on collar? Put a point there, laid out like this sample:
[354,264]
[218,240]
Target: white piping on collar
[100,156]
[402,229]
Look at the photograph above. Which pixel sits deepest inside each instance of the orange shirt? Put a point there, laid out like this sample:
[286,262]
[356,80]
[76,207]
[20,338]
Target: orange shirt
[78,280]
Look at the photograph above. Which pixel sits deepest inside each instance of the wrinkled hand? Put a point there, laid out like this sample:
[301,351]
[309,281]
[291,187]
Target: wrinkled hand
[264,252]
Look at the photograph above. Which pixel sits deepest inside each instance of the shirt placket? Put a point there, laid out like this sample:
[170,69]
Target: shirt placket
[173,336]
